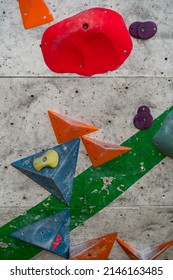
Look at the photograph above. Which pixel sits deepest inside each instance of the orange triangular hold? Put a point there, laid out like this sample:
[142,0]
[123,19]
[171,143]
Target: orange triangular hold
[154,252]
[95,249]
[67,129]
[146,254]
[34,13]
[101,152]
[132,252]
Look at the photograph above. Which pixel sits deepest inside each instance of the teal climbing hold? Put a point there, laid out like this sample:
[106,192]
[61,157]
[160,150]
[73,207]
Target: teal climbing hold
[163,139]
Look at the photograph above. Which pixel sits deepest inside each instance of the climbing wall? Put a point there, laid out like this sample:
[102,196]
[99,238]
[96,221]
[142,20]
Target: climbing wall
[132,196]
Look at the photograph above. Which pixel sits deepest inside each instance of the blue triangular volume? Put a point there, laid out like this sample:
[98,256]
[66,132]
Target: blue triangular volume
[45,182]
[58,181]
[46,233]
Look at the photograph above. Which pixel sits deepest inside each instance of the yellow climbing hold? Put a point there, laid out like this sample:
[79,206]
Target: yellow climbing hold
[48,159]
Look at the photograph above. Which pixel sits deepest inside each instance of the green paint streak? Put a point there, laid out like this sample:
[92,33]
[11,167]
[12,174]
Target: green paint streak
[90,193]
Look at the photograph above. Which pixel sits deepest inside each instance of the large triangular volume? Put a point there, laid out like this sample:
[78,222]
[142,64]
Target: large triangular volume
[95,249]
[51,233]
[131,252]
[59,179]
[66,129]
[34,13]
[154,252]
[101,152]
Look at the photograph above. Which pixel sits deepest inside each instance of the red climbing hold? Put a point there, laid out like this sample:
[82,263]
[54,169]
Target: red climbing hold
[91,42]
[57,241]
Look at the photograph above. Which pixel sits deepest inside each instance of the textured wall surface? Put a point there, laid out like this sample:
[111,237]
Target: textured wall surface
[143,215]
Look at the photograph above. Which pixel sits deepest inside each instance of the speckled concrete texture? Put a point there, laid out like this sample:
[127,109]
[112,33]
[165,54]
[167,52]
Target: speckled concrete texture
[21,49]
[143,215]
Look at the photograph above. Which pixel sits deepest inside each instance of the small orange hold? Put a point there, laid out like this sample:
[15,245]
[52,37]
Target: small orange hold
[131,252]
[156,251]
[146,254]
[101,152]
[67,129]
[95,249]
[34,13]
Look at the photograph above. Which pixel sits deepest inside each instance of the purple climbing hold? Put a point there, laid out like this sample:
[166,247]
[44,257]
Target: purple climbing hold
[143,30]
[143,109]
[147,30]
[143,119]
[133,29]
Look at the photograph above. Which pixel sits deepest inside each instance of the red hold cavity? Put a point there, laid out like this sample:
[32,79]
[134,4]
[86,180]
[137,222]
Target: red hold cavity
[92,42]
[143,119]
